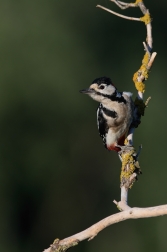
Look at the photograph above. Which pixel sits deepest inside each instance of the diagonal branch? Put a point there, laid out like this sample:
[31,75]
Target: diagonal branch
[91,232]
[117,14]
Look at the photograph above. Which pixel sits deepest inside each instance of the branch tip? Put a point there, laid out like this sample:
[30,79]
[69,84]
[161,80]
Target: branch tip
[115,202]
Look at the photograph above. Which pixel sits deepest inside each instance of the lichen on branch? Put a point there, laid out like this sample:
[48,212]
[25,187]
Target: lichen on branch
[142,74]
[130,167]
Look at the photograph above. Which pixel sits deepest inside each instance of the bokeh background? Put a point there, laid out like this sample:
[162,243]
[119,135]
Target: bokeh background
[56,178]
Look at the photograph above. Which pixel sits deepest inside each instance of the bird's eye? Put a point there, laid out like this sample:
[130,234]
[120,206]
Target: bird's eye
[101,87]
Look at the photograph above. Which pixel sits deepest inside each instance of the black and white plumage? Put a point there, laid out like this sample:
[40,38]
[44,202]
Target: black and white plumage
[102,122]
[114,114]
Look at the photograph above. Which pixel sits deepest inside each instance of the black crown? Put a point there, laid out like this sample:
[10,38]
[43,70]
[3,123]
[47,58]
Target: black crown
[104,80]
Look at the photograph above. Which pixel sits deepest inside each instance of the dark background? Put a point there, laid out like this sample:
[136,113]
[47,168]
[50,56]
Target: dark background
[56,178]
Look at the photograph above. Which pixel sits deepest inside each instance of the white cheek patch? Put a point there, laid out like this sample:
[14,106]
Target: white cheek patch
[109,90]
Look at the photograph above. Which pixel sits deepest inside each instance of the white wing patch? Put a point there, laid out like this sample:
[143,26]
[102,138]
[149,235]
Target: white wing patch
[129,94]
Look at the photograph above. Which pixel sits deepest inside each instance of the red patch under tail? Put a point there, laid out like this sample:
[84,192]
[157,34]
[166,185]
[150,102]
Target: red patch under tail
[114,147]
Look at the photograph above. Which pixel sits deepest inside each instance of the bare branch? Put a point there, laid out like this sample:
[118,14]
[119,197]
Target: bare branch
[117,14]
[91,232]
[123,5]
[151,60]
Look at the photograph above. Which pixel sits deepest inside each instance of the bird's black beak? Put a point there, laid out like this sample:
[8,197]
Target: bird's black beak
[87,91]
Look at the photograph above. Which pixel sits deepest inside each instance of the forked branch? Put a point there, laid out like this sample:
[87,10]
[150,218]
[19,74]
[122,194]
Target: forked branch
[140,76]
[117,14]
[91,232]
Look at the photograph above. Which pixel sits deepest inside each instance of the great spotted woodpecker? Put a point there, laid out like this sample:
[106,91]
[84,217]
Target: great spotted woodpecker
[114,114]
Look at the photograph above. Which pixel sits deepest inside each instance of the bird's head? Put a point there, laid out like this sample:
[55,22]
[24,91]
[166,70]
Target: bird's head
[100,89]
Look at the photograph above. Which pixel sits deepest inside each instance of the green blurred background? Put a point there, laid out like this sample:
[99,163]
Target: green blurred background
[56,178]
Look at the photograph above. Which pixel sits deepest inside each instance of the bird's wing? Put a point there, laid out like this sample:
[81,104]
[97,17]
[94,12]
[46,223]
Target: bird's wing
[102,124]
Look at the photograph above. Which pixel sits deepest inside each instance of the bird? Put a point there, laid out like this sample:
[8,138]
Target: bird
[114,113]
